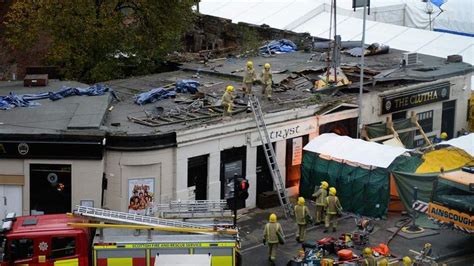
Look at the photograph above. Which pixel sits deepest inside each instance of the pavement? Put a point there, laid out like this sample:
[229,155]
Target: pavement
[447,244]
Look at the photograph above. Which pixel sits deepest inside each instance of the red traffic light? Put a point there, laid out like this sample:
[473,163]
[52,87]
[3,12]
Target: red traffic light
[244,185]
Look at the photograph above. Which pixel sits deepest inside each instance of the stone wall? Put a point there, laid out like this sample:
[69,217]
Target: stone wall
[220,34]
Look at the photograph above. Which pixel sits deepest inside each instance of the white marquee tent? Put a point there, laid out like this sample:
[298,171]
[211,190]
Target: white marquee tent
[313,16]
[354,150]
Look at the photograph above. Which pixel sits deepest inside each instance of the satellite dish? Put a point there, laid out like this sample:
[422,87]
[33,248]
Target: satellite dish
[52,178]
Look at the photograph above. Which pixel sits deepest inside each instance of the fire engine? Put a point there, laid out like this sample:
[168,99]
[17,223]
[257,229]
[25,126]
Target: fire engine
[77,239]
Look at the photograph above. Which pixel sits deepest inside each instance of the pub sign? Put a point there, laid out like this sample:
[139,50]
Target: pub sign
[411,98]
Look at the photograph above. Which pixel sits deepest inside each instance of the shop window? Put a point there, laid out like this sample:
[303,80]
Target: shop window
[22,249]
[63,247]
[425,119]
[399,116]
[421,142]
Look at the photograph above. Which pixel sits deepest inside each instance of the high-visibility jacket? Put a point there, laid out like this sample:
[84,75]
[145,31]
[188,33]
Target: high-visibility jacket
[300,214]
[333,204]
[320,196]
[369,261]
[227,98]
[250,76]
[266,77]
[270,232]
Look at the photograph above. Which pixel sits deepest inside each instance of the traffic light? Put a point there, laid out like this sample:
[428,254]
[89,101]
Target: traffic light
[242,188]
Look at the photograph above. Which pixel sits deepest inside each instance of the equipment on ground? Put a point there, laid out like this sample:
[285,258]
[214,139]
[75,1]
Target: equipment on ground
[70,239]
[451,203]
[424,256]
[270,156]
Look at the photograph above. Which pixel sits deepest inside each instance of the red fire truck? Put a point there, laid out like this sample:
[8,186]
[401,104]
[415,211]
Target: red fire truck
[60,240]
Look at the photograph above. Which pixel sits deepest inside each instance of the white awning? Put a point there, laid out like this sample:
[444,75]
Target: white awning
[354,150]
[465,143]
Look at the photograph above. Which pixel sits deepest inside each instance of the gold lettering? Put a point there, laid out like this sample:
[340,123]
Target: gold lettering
[423,97]
[2,149]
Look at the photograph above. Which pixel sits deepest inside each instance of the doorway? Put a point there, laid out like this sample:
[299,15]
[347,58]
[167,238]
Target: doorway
[10,200]
[294,155]
[197,176]
[447,118]
[50,188]
[264,177]
[233,162]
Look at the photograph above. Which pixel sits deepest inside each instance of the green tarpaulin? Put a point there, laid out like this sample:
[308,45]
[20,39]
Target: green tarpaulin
[360,190]
[379,130]
[405,182]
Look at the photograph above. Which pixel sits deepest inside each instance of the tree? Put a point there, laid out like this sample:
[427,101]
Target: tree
[94,40]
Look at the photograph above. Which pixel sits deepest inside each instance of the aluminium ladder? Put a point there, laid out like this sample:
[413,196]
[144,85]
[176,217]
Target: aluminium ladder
[130,218]
[193,209]
[270,156]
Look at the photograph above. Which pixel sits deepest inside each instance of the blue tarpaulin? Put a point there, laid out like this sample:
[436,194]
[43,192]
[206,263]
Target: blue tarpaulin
[278,47]
[27,100]
[154,95]
[438,3]
[187,85]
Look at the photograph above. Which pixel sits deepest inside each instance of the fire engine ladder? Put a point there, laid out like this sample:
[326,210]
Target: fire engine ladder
[270,156]
[130,218]
[193,209]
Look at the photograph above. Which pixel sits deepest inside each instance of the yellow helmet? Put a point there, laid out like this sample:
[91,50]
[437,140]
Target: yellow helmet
[300,201]
[406,261]
[324,185]
[332,191]
[367,251]
[444,135]
[229,88]
[273,218]
[383,262]
[427,245]
[249,64]
[267,66]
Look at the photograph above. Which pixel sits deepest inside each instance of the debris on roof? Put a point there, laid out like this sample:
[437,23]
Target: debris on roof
[331,79]
[154,95]
[278,47]
[204,107]
[187,85]
[373,49]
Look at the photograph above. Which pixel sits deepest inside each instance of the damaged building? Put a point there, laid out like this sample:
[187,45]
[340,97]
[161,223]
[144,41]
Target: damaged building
[165,135]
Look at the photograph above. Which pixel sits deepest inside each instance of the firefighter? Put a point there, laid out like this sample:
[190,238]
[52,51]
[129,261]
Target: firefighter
[320,197]
[444,136]
[266,78]
[301,211]
[228,100]
[270,236]
[332,210]
[383,262]
[426,252]
[407,261]
[249,78]
[369,259]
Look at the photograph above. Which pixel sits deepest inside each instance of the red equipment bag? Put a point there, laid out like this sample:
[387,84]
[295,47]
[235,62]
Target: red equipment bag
[382,249]
[345,254]
[326,241]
